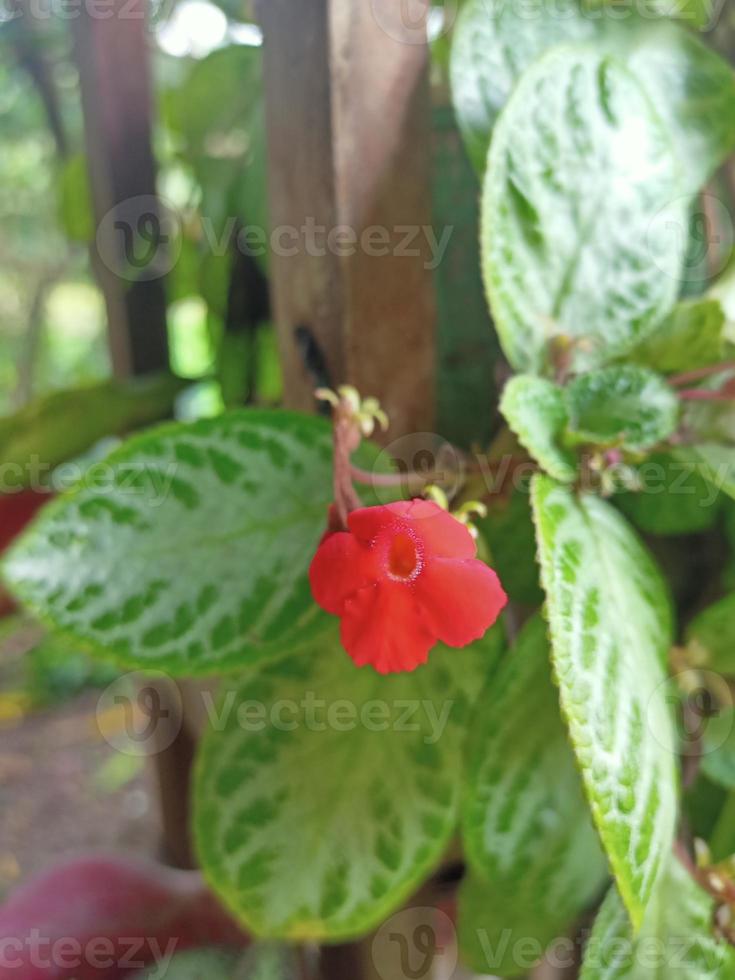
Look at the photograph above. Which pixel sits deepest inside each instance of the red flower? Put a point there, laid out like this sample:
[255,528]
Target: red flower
[401,579]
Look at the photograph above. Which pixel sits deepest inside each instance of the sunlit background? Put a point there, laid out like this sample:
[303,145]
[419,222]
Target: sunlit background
[52,316]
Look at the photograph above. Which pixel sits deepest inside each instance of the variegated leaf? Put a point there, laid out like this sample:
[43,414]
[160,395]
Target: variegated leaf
[325,794]
[535,858]
[611,628]
[187,549]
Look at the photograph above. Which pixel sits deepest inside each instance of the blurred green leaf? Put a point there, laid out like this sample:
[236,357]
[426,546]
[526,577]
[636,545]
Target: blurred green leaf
[535,410]
[65,424]
[622,405]
[718,749]
[198,964]
[692,88]
[674,498]
[75,200]
[217,114]
[690,337]
[715,463]
[712,634]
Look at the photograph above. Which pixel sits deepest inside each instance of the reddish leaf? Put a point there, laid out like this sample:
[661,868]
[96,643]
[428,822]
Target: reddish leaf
[103,917]
[16,510]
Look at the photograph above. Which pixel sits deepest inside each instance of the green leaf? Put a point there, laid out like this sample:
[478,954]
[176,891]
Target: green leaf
[493,45]
[718,749]
[218,94]
[269,961]
[325,794]
[674,498]
[690,338]
[693,89]
[691,86]
[187,549]
[711,422]
[527,829]
[214,964]
[534,409]
[611,628]
[566,261]
[697,14]
[724,292]
[712,635]
[622,405]
[714,463]
[676,941]
[217,113]
[76,213]
[65,424]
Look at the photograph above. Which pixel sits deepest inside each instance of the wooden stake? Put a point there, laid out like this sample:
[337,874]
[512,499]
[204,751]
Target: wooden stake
[111,43]
[348,130]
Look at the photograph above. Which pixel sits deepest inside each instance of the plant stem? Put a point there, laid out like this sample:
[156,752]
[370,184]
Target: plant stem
[389,479]
[346,440]
[687,377]
[704,395]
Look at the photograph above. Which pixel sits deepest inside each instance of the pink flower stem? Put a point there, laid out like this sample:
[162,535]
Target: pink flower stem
[346,440]
[677,380]
[704,395]
[388,479]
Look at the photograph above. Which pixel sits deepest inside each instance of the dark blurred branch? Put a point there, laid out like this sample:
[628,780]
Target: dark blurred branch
[248,306]
[28,46]
[113,57]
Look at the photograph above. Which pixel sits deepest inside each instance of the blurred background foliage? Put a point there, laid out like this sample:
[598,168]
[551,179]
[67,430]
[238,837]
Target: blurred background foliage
[209,144]
[58,398]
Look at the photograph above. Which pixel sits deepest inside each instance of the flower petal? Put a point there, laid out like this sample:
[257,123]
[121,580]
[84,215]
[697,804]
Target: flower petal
[460,599]
[382,626]
[338,569]
[367,522]
[442,534]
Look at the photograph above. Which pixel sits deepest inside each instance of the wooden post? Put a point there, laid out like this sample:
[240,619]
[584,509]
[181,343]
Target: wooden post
[349,126]
[111,44]
[348,117]
[112,53]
